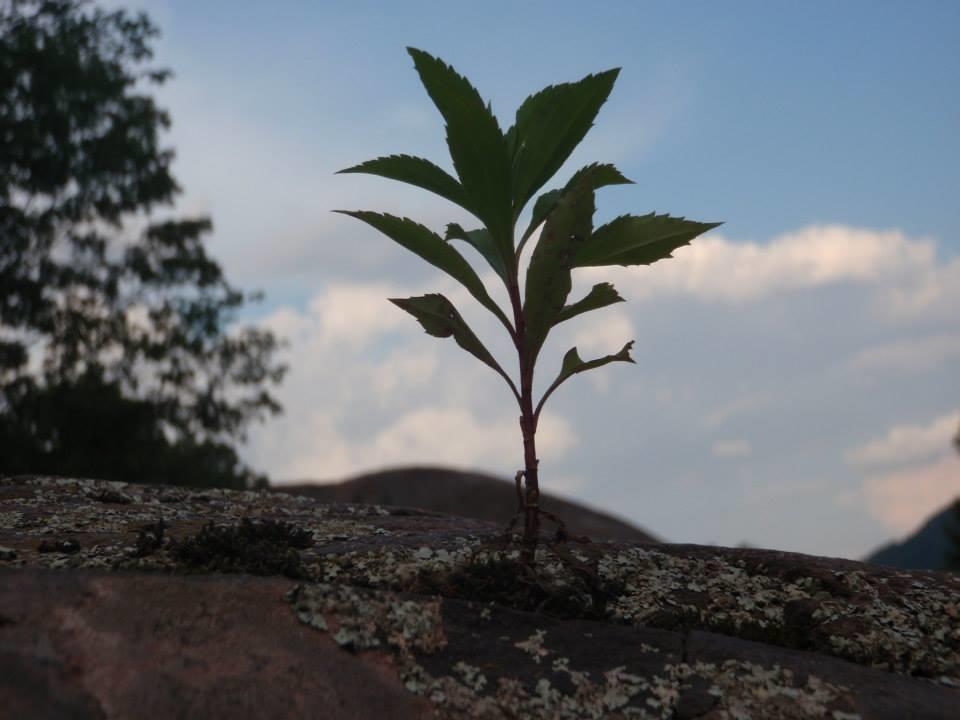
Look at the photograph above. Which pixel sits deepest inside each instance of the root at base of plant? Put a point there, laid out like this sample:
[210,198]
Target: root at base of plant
[512,583]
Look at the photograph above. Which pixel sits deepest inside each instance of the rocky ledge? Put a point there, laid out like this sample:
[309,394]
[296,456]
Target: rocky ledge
[129,601]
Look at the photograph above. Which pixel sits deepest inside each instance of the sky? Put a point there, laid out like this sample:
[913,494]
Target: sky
[795,384]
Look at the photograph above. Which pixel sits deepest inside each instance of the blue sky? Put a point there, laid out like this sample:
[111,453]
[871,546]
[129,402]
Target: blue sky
[795,385]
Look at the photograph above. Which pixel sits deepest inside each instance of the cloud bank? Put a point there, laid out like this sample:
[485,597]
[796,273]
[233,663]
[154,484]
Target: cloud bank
[770,358]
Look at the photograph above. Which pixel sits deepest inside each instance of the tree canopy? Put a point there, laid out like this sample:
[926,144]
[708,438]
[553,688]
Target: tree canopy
[953,533]
[120,357]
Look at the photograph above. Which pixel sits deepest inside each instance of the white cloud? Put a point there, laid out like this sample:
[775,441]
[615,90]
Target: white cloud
[904,499]
[429,434]
[368,389]
[271,194]
[453,436]
[356,314]
[913,355]
[406,368]
[934,291]
[342,317]
[715,268]
[603,335]
[906,443]
[732,449]
[748,403]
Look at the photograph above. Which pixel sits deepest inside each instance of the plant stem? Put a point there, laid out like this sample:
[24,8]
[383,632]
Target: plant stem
[531,520]
[528,425]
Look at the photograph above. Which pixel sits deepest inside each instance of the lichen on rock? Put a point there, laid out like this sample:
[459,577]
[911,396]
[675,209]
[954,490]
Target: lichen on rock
[480,634]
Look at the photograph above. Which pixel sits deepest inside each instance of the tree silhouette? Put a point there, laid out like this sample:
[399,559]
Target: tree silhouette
[115,356]
[953,554]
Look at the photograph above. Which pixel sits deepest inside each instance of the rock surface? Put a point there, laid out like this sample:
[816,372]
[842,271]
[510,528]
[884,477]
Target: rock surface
[367,611]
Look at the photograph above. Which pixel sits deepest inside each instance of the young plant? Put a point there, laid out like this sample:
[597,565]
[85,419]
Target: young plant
[497,175]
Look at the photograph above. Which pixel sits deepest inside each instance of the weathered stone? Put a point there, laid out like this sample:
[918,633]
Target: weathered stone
[376,626]
[95,645]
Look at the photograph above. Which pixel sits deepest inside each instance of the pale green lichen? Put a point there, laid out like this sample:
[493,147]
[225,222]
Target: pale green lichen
[370,619]
[471,676]
[913,630]
[366,620]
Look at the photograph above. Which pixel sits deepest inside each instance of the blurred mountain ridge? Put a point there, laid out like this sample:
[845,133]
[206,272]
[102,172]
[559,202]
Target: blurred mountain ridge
[925,549]
[467,494]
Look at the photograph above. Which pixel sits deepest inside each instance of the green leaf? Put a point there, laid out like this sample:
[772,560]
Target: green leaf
[548,276]
[600,296]
[477,146]
[541,209]
[600,175]
[414,171]
[440,318]
[482,242]
[549,125]
[638,240]
[432,248]
[573,364]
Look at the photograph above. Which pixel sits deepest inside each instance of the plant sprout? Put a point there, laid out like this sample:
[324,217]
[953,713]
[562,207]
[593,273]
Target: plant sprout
[497,175]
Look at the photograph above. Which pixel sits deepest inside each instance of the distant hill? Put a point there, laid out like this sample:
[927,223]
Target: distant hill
[467,494]
[926,549]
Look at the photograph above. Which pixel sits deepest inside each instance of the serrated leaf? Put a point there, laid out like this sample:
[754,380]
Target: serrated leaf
[600,296]
[541,208]
[549,125]
[638,240]
[481,241]
[548,276]
[599,175]
[573,364]
[440,318]
[431,247]
[477,146]
[414,171]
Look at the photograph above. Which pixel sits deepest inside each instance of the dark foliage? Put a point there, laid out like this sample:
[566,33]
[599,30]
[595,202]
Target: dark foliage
[925,549]
[952,560]
[150,538]
[115,359]
[67,546]
[521,586]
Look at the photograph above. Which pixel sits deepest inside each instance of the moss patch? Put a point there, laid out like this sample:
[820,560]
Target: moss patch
[511,583]
[150,538]
[267,547]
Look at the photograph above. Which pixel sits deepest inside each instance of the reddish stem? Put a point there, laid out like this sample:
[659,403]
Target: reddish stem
[528,425]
